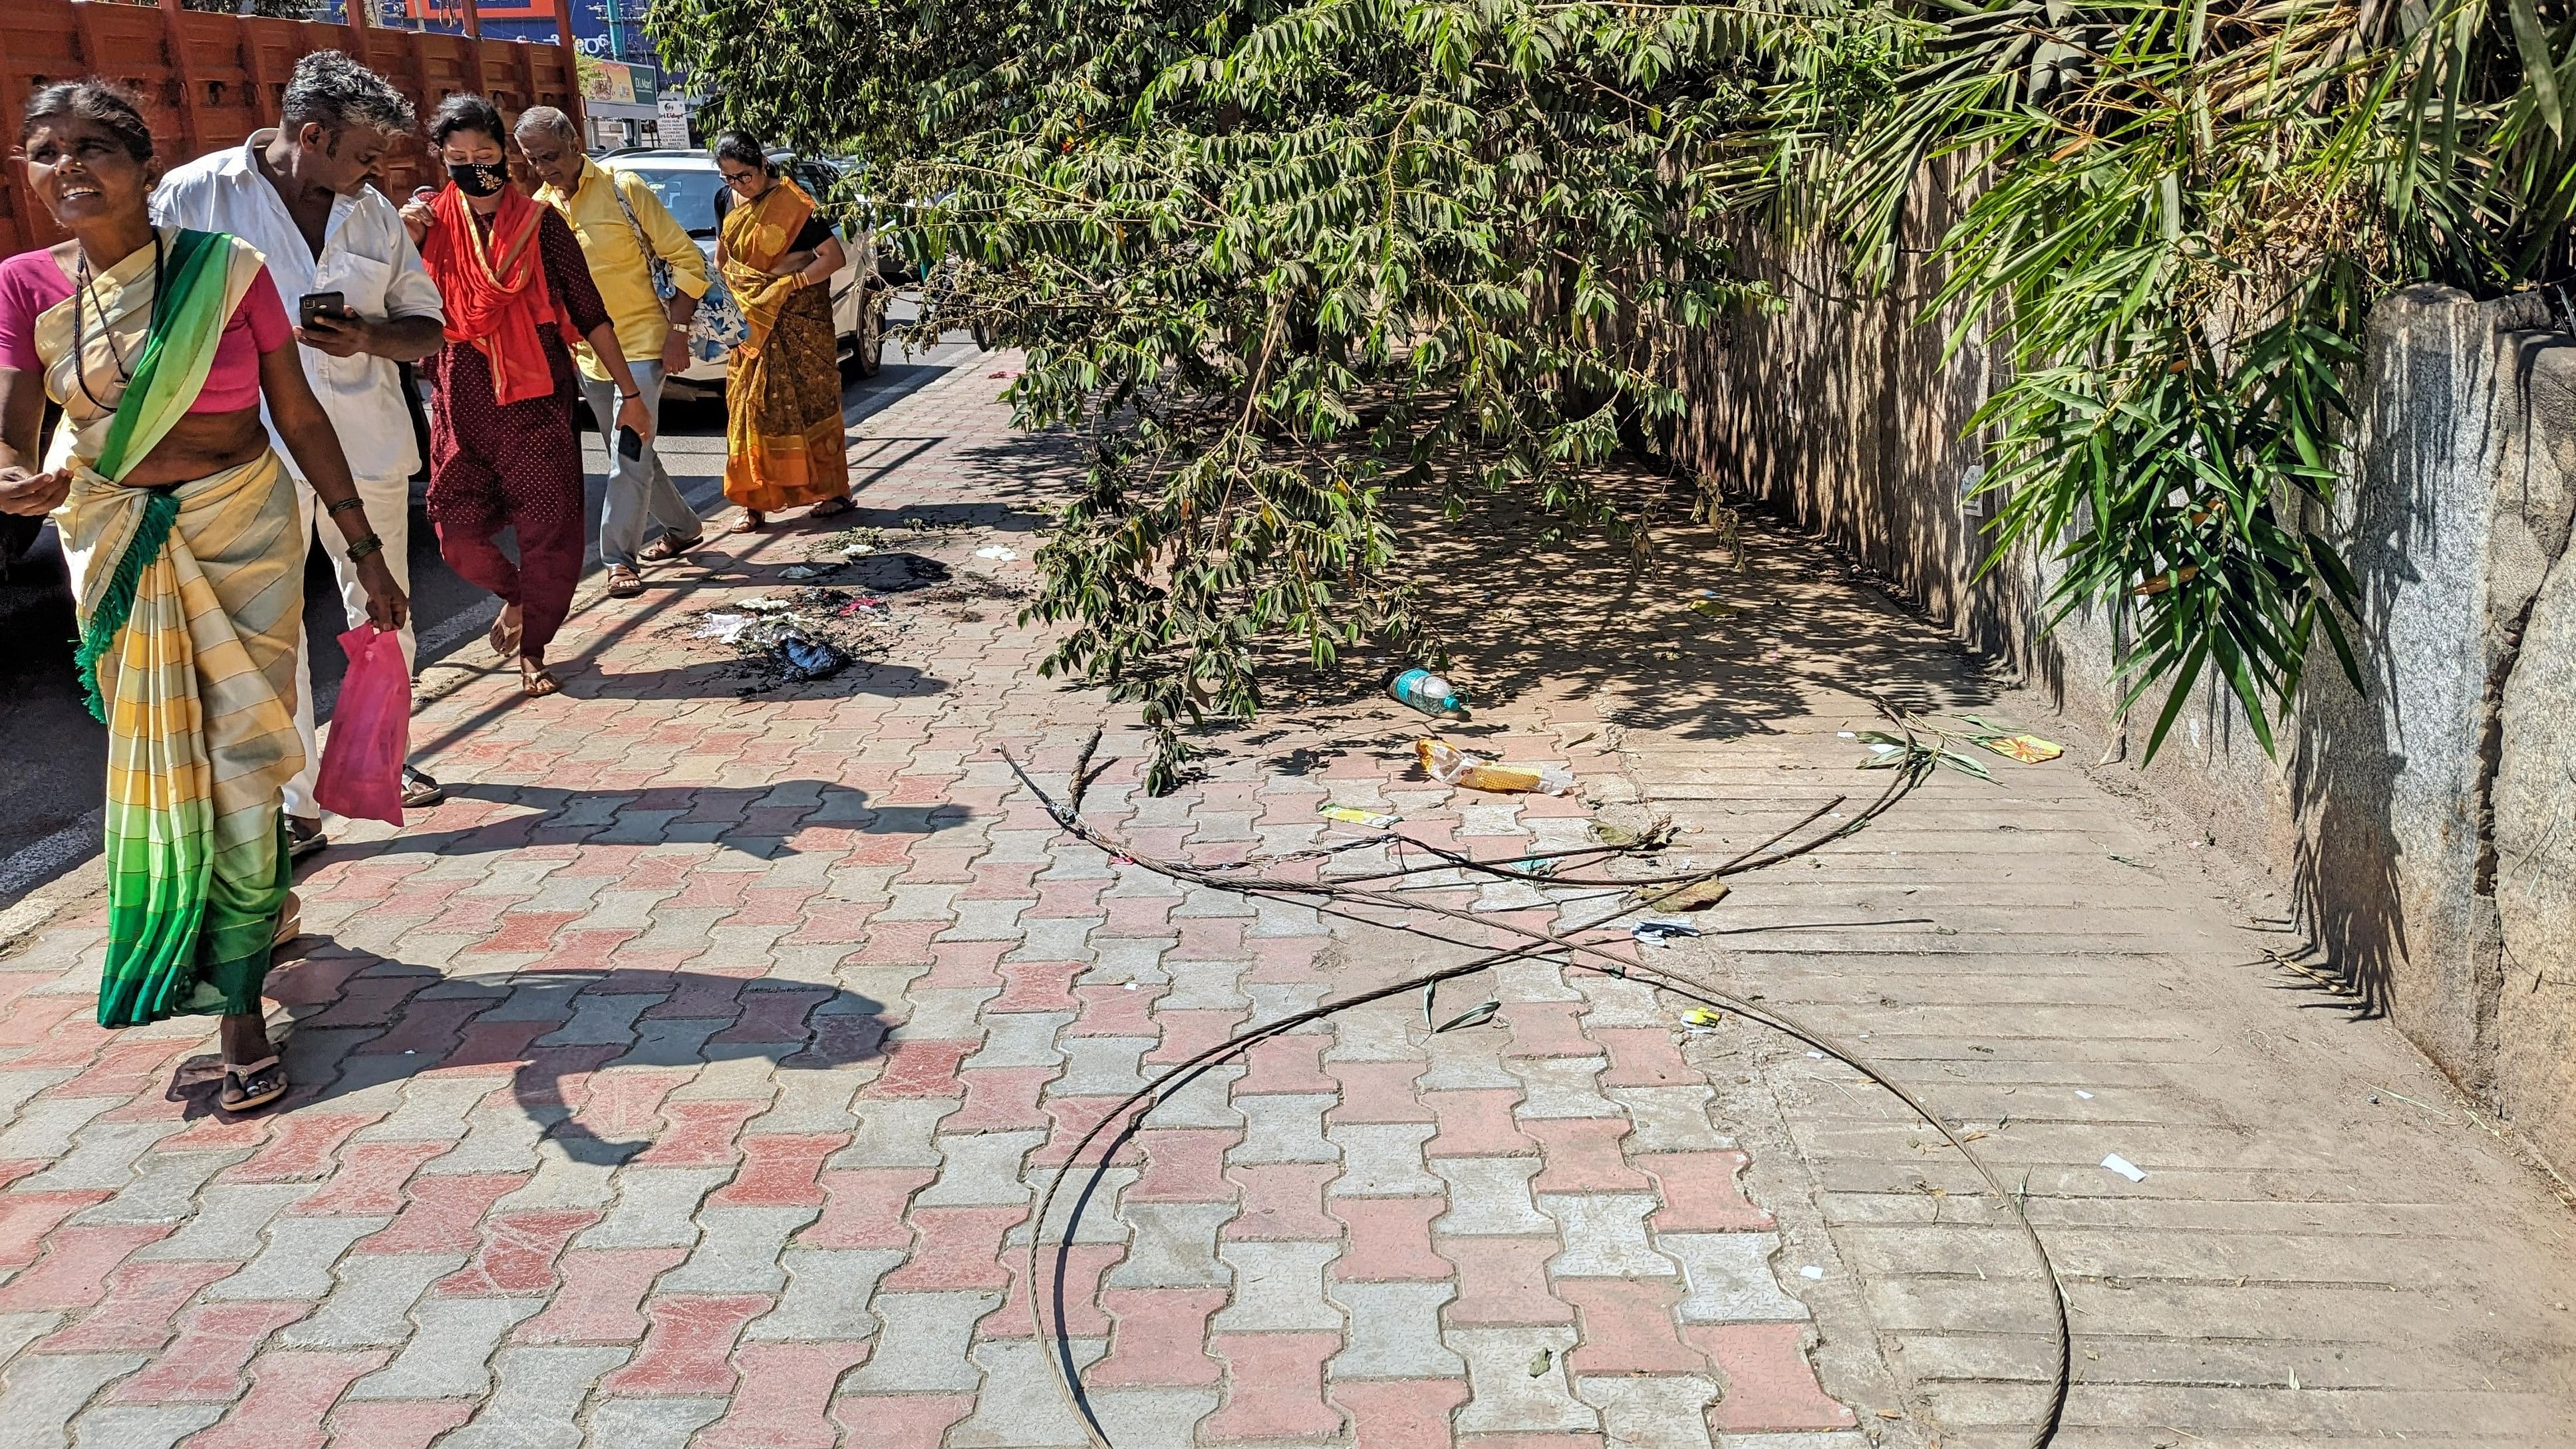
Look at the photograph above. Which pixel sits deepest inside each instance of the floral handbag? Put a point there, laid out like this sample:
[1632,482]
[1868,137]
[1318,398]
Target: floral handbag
[717,326]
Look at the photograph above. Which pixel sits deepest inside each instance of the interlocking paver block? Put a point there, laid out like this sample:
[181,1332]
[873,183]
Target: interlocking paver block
[1604,1235]
[1663,1410]
[738,1250]
[656,1208]
[1275,1387]
[204,1362]
[1020,1406]
[155,1426]
[138,1312]
[1510,1391]
[44,1391]
[788,1410]
[1158,1337]
[685,1351]
[1490,1197]
[1400,1414]
[1284,1129]
[922,1347]
[370,1306]
[1770,1385]
[649,1423]
[1278,1287]
[447,1358]
[534,1403]
[827,1295]
[1394,1331]
[1730,1277]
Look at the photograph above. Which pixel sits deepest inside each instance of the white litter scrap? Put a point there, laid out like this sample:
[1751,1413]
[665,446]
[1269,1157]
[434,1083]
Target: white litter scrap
[996,551]
[2123,1166]
[805,571]
[1812,1273]
[726,627]
[2087,1096]
[760,604]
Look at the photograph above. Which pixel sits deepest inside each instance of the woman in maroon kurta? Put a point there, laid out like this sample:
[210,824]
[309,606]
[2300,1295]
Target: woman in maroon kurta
[502,449]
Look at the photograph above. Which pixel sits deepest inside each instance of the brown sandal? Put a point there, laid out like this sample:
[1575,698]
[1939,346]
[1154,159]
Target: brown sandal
[667,547]
[239,1092]
[623,582]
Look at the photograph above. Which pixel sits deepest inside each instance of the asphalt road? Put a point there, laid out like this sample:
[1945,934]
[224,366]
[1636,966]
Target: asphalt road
[53,756]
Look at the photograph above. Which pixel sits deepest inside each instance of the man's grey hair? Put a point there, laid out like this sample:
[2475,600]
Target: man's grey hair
[331,89]
[547,121]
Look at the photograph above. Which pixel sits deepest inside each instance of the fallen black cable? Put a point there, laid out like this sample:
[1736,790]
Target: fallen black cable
[1137,1105]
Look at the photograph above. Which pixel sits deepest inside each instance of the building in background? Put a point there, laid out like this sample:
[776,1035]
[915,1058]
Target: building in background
[624,99]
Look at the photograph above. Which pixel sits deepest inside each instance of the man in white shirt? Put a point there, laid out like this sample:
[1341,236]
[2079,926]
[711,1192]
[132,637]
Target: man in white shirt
[302,194]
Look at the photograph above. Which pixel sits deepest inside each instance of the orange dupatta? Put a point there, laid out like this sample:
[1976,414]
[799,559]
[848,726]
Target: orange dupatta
[495,292]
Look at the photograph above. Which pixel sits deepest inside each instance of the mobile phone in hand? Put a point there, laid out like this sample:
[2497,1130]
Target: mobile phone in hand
[326,306]
[630,444]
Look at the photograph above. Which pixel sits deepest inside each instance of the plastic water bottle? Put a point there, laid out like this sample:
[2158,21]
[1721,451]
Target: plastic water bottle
[1428,692]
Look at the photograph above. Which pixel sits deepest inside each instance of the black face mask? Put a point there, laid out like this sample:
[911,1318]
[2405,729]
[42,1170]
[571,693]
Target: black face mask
[476,179]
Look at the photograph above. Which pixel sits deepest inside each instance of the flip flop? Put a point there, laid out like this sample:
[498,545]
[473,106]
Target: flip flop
[529,683]
[504,637]
[624,583]
[290,921]
[667,547]
[239,1095]
[831,508]
[419,790]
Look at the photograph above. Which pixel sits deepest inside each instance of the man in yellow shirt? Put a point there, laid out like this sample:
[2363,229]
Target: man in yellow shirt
[623,226]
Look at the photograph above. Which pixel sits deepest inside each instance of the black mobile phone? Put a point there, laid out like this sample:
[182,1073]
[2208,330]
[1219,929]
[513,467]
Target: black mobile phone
[630,444]
[311,305]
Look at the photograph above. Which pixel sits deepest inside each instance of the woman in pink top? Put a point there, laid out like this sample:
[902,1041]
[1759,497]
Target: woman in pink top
[187,564]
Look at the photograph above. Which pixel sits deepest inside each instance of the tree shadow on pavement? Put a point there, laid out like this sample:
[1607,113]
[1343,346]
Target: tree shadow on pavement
[750,820]
[589,1054]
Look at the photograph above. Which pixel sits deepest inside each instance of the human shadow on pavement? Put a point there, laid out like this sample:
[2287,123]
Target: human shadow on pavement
[756,820]
[591,1055]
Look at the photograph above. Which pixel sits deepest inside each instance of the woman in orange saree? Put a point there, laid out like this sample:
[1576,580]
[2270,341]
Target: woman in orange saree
[783,434]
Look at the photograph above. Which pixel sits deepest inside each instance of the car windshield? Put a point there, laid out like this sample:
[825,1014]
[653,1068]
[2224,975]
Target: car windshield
[690,195]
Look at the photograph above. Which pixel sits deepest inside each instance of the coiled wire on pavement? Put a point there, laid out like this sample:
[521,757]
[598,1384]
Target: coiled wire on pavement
[1342,897]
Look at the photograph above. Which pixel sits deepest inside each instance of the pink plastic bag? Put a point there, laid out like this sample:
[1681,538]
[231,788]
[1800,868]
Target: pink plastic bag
[370,730]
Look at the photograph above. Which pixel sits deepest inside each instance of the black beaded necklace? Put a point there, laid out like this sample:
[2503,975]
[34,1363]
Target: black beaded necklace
[80,318]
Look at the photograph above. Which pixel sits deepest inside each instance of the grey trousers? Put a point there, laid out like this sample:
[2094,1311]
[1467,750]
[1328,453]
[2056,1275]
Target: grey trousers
[640,491]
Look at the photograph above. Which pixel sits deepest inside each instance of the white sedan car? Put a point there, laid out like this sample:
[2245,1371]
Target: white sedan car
[688,184]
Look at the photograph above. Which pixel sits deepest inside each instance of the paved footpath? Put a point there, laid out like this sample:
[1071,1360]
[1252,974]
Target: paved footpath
[690,1078]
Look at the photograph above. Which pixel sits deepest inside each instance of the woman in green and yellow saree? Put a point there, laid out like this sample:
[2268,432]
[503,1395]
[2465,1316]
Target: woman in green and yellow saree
[187,566]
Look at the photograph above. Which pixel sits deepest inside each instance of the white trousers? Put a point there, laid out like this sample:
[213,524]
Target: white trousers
[388,511]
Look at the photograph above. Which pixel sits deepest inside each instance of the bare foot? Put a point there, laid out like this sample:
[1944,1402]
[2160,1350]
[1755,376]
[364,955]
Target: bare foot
[831,508]
[504,637]
[534,681]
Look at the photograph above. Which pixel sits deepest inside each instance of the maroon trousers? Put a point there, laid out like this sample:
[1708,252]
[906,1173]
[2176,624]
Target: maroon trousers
[516,467]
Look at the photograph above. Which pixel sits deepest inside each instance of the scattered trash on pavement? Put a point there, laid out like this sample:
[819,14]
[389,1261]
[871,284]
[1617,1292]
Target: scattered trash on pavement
[1697,895]
[1428,692]
[2087,1096]
[806,660]
[1353,815]
[1701,1016]
[1660,933]
[1451,766]
[1539,1366]
[996,551]
[1812,1273]
[724,627]
[2123,1166]
[2010,743]
[803,571]
[762,604]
